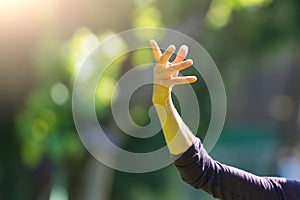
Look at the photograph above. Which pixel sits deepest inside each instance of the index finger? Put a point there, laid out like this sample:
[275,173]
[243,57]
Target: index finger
[156,51]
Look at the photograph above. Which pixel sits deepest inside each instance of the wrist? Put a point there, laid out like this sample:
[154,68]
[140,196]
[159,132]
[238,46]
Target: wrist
[161,95]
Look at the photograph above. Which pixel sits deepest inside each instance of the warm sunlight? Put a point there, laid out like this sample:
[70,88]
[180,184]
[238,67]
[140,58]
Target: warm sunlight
[12,4]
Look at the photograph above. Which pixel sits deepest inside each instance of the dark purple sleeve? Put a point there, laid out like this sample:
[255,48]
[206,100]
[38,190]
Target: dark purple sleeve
[199,170]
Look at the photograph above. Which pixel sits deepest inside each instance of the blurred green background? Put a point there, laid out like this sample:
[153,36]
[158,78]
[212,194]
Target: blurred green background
[255,44]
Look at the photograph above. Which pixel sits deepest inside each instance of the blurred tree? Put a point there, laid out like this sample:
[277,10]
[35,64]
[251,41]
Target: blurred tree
[241,35]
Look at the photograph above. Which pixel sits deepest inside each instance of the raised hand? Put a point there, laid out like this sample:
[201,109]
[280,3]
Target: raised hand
[166,73]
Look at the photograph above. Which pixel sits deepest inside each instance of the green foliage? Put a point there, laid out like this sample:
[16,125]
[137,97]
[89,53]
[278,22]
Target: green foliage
[239,34]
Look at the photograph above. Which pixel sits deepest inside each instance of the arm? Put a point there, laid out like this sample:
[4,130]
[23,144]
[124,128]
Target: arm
[178,136]
[196,167]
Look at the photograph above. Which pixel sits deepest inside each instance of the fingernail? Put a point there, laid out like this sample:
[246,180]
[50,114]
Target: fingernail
[194,78]
[184,47]
[172,47]
[189,61]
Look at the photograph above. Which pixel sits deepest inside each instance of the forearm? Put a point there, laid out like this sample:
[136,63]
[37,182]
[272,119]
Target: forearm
[177,135]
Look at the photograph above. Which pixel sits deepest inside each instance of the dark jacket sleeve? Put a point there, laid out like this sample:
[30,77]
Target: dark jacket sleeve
[199,170]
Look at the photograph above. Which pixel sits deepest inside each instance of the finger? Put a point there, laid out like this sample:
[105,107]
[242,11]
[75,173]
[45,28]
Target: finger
[155,49]
[182,65]
[182,53]
[167,55]
[183,80]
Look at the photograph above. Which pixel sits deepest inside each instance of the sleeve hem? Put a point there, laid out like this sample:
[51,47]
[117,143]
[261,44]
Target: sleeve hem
[175,157]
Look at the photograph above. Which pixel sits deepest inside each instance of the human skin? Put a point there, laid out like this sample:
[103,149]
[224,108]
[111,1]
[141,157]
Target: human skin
[166,75]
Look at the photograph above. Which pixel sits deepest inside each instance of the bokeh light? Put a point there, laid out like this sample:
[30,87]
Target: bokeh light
[282,107]
[59,93]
